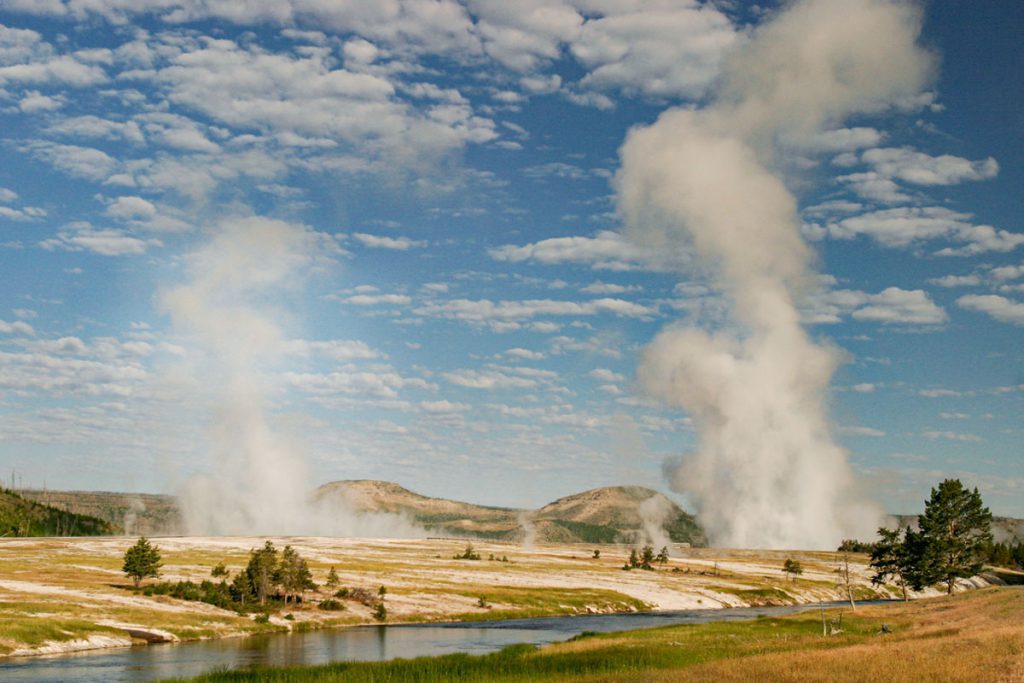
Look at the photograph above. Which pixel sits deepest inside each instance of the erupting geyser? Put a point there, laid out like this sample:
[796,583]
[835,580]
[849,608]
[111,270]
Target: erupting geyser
[230,312]
[765,472]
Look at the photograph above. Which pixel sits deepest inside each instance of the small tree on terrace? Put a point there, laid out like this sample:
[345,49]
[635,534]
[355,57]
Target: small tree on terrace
[792,568]
[955,531]
[141,560]
[332,582]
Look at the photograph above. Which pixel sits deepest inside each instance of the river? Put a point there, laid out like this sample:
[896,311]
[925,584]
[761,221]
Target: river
[361,643]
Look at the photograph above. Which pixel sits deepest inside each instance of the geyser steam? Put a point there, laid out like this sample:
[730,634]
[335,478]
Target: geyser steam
[228,309]
[766,472]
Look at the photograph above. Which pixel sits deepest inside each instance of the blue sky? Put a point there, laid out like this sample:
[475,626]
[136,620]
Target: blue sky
[463,315]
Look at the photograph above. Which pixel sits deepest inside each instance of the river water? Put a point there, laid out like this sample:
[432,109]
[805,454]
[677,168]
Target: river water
[362,643]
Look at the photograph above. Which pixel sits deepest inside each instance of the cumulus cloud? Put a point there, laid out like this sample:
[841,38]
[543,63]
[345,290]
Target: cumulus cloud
[606,250]
[383,242]
[998,307]
[485,311]
[670,51]
[908,226]
[923,169]
[102,241]
[891,306]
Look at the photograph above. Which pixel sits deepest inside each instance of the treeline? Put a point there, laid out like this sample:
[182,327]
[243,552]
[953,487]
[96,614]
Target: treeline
[1003,554]
[20,516]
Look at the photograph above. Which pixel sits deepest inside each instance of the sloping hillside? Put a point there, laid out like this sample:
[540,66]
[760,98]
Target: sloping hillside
[632,512]
[605,515]
[20,516]
[128,513]
[446,516]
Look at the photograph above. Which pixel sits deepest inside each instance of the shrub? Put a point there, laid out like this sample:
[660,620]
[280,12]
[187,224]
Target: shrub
[331,605]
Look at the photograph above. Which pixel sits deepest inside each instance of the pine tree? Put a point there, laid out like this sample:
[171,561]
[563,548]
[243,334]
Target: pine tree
[262,571]
[955,530]
[892,557]
[141,560]
[332,580]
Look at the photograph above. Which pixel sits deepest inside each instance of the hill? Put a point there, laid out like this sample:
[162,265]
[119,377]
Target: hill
[127,513]
[20,516]
[1004,529]
[604,515]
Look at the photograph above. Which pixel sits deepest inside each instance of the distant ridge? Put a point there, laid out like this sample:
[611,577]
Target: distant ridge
[604,515]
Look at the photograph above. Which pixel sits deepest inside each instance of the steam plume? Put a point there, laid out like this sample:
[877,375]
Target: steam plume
[259,480]
[766,472]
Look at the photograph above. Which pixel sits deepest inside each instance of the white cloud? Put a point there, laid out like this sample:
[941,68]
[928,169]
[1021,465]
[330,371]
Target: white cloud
[606,375]
[864,388]
[525,354]
[607,250]
[608,288]
[951,436]
[907,226]
[846,139]
[16,327]
[998,307]
[875,187]
[900,306]
[80,162]
[956,281]
[106,242]
[476,379]
[377,299]
[443,407]
[343,350]
[668,51]
[923,169]
[382,242]
[487,311]
[890,306]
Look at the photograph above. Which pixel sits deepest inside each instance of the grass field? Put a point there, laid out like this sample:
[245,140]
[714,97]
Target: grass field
[973,636]
[59,595]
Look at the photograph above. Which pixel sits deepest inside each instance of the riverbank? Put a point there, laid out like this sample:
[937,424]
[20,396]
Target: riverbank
[973,636]
[63,595]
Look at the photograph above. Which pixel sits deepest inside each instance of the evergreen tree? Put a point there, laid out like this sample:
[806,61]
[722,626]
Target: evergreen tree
[955,530]
[332,580]
[293,574]
[141,560]
[792,568]
[241,588]
[662,557]
[892,556]
[262,571]
[634,559]
[647,557]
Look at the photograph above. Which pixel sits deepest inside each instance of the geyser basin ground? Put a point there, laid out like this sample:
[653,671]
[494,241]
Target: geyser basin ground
[59,595]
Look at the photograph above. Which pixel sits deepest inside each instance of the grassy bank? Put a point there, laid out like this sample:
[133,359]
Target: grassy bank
[974,636]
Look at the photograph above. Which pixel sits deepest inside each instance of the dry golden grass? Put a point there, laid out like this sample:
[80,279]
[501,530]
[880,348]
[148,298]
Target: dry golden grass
[971,637]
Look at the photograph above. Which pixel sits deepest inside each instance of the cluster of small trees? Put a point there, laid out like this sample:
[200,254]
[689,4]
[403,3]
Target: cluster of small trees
[950,543]
[645,559]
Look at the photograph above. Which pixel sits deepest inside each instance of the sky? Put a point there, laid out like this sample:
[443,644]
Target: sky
[398,223]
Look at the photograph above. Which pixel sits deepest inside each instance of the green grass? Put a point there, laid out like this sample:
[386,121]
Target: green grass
[34,632]
[974,636]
